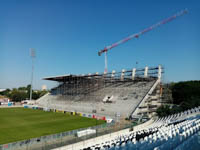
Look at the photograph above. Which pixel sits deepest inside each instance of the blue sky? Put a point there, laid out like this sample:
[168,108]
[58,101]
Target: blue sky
[67,34]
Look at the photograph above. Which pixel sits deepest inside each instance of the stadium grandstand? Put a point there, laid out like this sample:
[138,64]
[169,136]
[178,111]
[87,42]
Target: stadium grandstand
[175,132]
[130,93]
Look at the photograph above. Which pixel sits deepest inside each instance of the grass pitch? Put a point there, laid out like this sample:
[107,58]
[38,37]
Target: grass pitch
[20,123]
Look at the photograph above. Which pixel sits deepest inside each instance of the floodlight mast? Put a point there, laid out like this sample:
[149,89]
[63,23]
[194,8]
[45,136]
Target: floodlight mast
[32,53]
[136,35]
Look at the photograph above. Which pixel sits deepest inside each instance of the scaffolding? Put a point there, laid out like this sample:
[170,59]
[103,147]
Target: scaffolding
[84,87]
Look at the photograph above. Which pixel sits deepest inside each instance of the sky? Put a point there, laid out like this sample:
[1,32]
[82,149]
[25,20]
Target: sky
[67,34]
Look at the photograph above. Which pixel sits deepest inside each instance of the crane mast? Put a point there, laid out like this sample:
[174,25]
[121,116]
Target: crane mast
[136,35]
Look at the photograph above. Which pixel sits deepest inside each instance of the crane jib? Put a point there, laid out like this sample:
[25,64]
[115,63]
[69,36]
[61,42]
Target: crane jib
[142,32]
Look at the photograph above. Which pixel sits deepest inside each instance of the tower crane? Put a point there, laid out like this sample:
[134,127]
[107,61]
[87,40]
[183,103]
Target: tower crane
[136,35]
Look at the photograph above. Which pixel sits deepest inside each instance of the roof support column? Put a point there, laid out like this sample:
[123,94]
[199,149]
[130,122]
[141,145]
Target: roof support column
[146,72]
[133,73]
[122,74]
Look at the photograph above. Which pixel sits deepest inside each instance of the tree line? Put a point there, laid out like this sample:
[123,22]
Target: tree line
[185,95]
[22,93]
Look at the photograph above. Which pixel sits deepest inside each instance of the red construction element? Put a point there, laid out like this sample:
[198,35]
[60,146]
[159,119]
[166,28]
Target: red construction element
[142,32]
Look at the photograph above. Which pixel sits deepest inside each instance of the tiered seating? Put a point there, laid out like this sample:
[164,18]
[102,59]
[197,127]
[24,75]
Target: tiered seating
[176,132]
[126,96]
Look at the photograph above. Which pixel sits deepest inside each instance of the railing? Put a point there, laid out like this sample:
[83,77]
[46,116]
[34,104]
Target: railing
[61,139]
[146,96]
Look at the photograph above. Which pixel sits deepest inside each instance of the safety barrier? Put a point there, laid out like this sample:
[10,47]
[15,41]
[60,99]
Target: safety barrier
[54,140]
[64,138]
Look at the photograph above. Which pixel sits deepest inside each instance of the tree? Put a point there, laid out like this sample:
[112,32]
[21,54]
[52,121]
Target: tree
[38,94]
[28,88]
[22,88]
[186,95]
[18,96]
[186,91]
[6,92]
[22,93]
[163,110]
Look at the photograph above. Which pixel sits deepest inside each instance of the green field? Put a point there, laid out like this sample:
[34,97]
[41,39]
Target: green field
[20,123]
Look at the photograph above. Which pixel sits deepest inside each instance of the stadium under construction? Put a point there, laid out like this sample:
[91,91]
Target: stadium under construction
[130,95]
[126,94]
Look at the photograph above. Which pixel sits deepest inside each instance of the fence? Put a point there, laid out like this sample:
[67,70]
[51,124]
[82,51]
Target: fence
[61,139]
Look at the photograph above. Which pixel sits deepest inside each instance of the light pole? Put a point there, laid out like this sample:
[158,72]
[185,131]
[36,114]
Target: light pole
[32,53]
